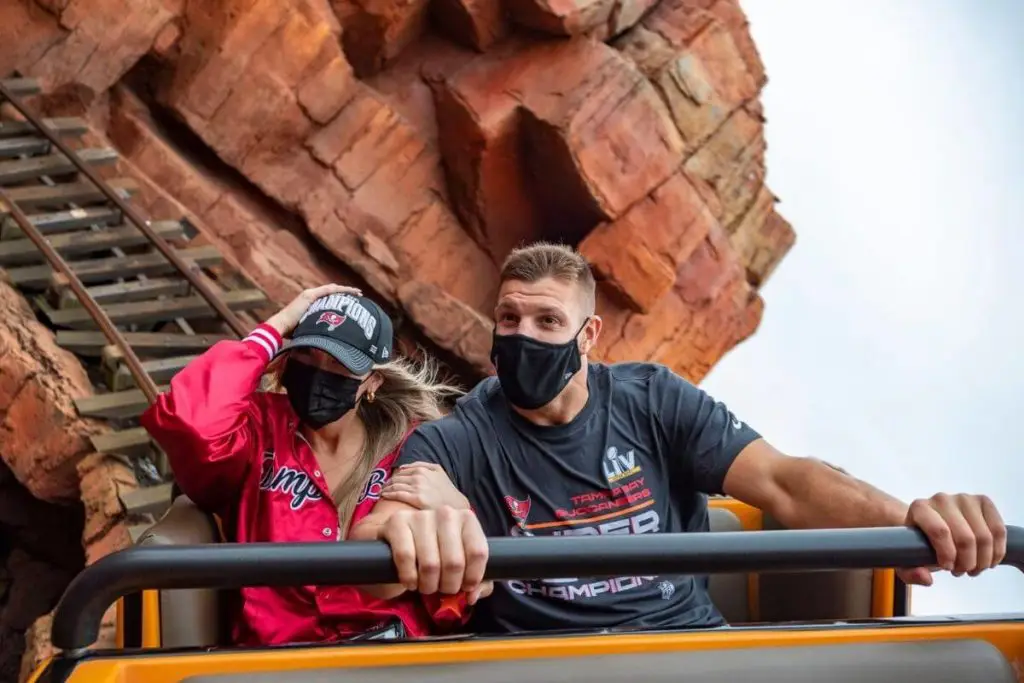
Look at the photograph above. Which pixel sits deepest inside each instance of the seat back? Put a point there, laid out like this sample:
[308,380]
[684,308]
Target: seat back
[936,661]
[807,596]
[188,618]
[729,592]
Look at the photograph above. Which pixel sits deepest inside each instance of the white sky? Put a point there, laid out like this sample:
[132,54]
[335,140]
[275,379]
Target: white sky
[889,344]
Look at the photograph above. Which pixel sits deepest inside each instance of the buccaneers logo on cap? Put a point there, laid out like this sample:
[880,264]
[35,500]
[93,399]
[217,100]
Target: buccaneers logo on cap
[520,509]
[332,319]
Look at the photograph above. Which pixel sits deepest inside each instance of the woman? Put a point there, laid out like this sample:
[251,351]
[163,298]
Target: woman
[305,464]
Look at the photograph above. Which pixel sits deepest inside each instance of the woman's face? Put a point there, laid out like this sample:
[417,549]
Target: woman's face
[323,361]
[371,381]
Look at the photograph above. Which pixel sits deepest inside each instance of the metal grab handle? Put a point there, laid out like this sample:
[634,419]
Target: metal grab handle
[77,618]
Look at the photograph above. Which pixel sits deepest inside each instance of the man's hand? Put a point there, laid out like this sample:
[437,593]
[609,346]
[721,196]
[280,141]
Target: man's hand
[967,532]
[425,486]
[438,550]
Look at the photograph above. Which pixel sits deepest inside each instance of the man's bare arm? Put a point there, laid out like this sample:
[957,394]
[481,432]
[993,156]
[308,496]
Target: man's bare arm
[806,493]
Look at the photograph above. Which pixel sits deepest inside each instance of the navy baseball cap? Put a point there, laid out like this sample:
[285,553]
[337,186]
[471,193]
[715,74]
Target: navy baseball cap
[352,329]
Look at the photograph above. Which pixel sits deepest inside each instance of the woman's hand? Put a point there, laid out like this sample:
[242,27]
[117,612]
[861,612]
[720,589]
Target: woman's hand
[425,486]
[285,320]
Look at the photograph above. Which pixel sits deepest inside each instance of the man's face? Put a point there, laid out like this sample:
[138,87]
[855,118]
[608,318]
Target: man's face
[548,310]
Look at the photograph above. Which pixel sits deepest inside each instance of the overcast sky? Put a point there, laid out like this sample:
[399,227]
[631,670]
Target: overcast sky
[891,340]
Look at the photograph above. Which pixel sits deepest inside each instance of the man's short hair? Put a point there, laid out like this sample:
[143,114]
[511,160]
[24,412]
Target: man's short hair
[545,259]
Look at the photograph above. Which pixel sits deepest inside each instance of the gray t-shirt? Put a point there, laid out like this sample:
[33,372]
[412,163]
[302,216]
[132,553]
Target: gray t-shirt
[638,459]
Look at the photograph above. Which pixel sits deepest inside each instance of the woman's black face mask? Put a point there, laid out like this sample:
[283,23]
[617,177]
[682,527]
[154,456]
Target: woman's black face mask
[319,397]
[531,372]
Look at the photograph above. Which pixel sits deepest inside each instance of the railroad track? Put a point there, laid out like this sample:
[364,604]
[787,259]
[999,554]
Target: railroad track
[132,299]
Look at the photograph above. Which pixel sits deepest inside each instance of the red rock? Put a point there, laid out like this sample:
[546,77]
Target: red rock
[41,435]
[732,163]
[694,61]
[116,538]
[569,129]
[376,31]
[122,31]
[761,238]
[235,29]
[710,309]
[600,19]
[480,143]
[344,235]
[442,159]
[459,329]
[38,648]
[561,17]
[266,244]
[328,90]
[248,113]
[474,23]
[302,45]
[432,247]
[166,44]
[103,479]
[638,255]
[27,32]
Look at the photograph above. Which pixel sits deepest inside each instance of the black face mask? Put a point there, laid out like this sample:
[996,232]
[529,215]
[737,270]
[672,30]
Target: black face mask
[319,397]
[531,372]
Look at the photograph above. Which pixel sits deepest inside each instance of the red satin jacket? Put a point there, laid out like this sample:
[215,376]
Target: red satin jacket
[237,452]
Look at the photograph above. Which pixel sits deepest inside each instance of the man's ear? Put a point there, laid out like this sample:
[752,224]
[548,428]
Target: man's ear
[591,332]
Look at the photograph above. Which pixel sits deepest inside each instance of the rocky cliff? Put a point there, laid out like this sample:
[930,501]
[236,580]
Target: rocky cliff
[407,146]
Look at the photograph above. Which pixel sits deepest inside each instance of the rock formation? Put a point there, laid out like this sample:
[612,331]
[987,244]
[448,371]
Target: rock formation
[407,146]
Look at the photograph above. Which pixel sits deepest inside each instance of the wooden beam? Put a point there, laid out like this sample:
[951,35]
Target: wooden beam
[62,221]
[14,147]
[150,500]
[38,196]
[65,126]
[133,442]
[94,271]
[161,370]
[149,312]
[23,251]
[160,344]
[122,292]
[52,164]
[115,405]
[22,87]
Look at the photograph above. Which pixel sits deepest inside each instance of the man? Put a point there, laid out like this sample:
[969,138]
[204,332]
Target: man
[555,446]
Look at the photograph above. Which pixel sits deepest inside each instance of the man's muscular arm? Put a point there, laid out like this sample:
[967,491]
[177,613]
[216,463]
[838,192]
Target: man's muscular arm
[966,531]
[805,493]
[717,453]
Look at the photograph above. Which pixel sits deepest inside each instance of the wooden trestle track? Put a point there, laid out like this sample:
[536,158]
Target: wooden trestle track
[129,297]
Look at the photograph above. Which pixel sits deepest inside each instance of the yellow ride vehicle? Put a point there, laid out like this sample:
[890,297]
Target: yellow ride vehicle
[803,606]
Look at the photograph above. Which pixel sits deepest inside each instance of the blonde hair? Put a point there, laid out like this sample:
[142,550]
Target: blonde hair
[410,393]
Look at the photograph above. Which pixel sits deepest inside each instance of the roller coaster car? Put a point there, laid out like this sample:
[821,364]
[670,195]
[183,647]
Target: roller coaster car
[791,621]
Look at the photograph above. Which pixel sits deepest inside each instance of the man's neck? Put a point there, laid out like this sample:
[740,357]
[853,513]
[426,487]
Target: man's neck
[565,407]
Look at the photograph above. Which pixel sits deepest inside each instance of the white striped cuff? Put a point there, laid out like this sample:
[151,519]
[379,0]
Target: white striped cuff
[267,339]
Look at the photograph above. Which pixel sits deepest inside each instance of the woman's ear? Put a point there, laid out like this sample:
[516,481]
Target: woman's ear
[373,383]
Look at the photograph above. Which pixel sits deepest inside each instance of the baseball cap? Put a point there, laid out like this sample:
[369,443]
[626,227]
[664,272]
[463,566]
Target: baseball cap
[352,329]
